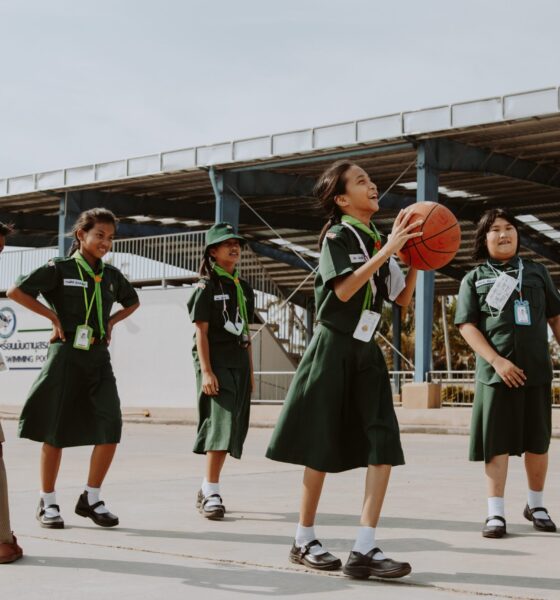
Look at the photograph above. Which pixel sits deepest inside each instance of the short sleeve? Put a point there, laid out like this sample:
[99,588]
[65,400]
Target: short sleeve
[126,294]
[200,303]
[335,257]
[552,297]
[467,302]
[40,281]
[395,280]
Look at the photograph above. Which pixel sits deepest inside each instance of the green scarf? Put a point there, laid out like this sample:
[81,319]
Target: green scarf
[241,302]
[374,235]
[82,263]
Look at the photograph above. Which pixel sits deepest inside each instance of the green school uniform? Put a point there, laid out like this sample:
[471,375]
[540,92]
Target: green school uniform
[223,419]
[74,400]
[511,420]
[338,413]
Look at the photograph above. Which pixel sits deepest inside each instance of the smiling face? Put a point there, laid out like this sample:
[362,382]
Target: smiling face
[361,198]
[501,240]
[226,254]
[96,242]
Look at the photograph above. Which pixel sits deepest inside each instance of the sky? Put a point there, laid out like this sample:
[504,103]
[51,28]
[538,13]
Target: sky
[84,82]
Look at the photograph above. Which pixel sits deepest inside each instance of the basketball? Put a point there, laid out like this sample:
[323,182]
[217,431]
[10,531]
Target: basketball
[441,239]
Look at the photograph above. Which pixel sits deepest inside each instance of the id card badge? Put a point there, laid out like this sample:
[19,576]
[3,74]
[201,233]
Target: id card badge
[366,325]
[82,339]
[522,312]
[501,291]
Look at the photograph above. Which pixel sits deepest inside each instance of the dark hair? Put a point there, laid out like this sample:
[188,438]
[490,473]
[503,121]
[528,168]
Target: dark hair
[87,221]
[6,229]
[206,266]
[484,224]
[330,184]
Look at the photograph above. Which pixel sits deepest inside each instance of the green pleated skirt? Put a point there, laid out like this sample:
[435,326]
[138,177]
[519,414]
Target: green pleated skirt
[338,414]
[74,400]
[510,420]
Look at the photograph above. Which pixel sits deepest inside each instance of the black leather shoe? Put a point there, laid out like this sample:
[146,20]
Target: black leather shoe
[323,562]
[494,531]
[539,524]
[84,509]
[214,512]
[49,522]
[362,566]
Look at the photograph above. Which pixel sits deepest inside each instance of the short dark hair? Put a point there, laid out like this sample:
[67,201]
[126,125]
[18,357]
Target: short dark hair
[484,224]
[6,229]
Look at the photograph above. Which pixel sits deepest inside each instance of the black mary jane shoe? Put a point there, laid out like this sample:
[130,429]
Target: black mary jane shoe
[362,566]
[547,524]
[323,562]
[494,531]
[213,511]
[84,509]
[49,522]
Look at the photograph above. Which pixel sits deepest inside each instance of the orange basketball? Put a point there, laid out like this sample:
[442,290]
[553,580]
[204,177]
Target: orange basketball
[441,239]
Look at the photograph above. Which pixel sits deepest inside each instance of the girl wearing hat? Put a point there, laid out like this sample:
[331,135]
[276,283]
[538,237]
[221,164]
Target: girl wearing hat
[221,309]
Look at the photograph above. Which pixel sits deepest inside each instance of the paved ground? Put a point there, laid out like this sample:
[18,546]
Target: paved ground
[164,549]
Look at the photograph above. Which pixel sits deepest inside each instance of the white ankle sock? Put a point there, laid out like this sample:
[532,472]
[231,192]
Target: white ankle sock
[536,500]
[365,541]
[208,489]
[93,497]
[304,535]
[496,507]
[49,498]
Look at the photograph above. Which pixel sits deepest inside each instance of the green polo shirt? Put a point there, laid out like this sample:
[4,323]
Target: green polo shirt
[207,305]
[60,284]
[525,345]
[341,255]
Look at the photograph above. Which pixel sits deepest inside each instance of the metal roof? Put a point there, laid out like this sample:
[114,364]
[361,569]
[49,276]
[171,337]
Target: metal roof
[524,127]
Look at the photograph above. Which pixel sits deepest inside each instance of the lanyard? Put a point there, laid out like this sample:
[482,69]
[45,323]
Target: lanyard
[241,302]
[81,263]
[371,289]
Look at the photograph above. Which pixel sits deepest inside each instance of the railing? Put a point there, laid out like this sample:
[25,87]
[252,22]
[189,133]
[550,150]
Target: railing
[457,387]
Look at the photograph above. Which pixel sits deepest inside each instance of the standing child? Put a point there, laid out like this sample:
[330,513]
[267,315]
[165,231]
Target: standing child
[74,401]
[221,308]
[9,549]
[503,309]
[339,413]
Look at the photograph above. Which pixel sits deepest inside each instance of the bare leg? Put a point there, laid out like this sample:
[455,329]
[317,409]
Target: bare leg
[5,529]
[101,459]
[377,479]
[50,464]
[536,466]
[214,464]
[312,487]
[496,475]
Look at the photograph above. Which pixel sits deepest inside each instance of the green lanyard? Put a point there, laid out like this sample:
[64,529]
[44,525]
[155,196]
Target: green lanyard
[81,263]
[241,302]
[374,235]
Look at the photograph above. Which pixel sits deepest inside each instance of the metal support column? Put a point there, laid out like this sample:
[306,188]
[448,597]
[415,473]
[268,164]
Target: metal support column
[227,203]
[427,177]
[397,330]
[70,209]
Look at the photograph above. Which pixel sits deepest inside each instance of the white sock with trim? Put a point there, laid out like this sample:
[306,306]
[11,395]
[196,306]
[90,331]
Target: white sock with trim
[536,500]
[496,508]
[93,497]
[365,542]
[49,498]
[304,535]
[209,489]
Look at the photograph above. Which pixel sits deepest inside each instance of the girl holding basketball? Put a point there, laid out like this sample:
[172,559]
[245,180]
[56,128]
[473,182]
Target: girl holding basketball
[338,414]
[503,309]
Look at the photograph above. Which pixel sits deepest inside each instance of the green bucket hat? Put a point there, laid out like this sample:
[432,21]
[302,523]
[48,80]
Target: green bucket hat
[220,232]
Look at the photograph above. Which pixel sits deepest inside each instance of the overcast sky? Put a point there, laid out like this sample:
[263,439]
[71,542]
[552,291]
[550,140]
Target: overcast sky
[84,82]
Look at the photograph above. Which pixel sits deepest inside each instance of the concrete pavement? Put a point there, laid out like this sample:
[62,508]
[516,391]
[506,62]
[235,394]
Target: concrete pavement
[163,548]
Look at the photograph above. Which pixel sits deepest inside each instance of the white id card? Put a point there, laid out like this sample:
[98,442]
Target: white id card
[522,312]
[501,291]
[82,339]
[366,325]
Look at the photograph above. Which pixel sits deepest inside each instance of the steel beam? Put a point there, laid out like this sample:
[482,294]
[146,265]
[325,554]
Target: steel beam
[284,257]
[227,203]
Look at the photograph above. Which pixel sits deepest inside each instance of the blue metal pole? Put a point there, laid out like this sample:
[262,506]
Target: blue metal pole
[427,177]
[227,203]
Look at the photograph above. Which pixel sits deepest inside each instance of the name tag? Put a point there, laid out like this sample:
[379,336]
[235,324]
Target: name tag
[221,297]
[482,282]
[75,283]
[357,258]
[501,291]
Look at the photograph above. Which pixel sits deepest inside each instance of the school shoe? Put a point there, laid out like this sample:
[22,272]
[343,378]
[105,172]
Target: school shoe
[494,531]
[84,509]
[213,511]
[362,566]
[539,524]
[49,522]
[323,562]
[10,552]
